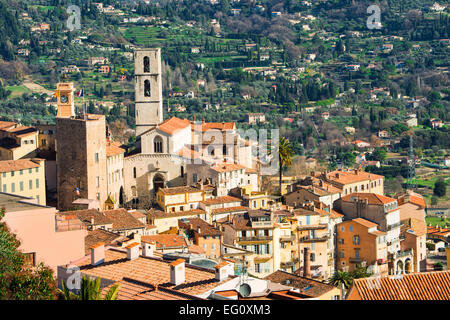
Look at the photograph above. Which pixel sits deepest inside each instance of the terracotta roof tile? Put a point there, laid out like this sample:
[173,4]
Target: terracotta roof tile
[177,262]
[113,148]
[158,214]
[166,240]
[414,286]
[223,199]
[365,223]
[196,224]
[226,167]
[307,286]
[122,219]
[99,235]
[173,124]
[20,164]
[373,198]
[87,215]
[346,177]
[230,209]
[151,271]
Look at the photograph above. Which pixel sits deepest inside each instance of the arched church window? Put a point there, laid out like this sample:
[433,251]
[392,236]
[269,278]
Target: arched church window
[158,145]
[146,64]
[147,92]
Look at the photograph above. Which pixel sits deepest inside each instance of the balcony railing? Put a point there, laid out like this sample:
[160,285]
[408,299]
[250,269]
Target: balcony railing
[287,238]
[69,225]
[256,238]
[312,227]
[314,238]
[285,265]
[355,260]
[262,224]
[393,226]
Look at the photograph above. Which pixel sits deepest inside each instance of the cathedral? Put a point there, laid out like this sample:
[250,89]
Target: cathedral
[166,149]
[94,171]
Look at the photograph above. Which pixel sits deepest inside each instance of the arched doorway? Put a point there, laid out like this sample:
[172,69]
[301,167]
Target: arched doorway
[121,196]
[158,182]
[399,267]
[408,266]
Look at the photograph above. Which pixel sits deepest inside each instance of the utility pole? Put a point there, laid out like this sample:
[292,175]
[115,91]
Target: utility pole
[411,166]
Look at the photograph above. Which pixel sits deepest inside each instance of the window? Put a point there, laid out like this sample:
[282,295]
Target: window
[356,240]
[313,257]
[182,171]
[342,228]
[224,150]
[21,172]
[96,157]
[98,196]
[158,145]
[30,258]
[194,177]
[13,187]
[357,253]
[30,184]
[37,183]
[146,64]
[267,267]
[341,241]
[350,228]
[147,92]
[37,169]
[213,246]
[12,173]
[4,188]
[308,220]
[341,254]
[4,174]
[21,185]
[134,172]
[97,181]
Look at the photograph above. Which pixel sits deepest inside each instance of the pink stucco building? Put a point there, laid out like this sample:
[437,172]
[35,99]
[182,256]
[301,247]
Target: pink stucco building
[45,236]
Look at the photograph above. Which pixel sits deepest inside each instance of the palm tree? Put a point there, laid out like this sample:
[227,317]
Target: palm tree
[340,278]
[90,290]
[285,153]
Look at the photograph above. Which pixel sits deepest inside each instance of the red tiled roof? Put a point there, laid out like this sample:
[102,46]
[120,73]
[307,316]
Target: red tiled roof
[414,286]
[122,219]
[364,222]
[166,240]
[346,177]
[20,164]
[373,198]
[223,199]
[173,124]
[113,148]
[230,209]
[226,167]
[151,271]
[218,126]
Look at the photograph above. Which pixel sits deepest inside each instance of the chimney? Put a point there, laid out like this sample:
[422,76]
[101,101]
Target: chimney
[148,247]
[199,230]
[203,120]
[92,221]
[306,263]
[177,272]
[97,253]
[133,251]
[223,270]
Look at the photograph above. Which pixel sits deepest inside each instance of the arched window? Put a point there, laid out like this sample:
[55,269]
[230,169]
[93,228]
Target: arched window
[158,145]
[146,64]
[147,92]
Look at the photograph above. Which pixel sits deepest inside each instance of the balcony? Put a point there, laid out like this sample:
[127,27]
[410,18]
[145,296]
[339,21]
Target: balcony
[256,238]
[393,226]
[262,224]
[69,225]
[355,260]
[287,238]
[314,238]
[286,265]
[312,227]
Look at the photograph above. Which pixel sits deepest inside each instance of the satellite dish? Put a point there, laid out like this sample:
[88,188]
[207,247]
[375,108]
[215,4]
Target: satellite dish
[245,290]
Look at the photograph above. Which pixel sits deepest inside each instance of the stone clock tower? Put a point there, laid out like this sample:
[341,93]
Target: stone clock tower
[65,103]
[148,89]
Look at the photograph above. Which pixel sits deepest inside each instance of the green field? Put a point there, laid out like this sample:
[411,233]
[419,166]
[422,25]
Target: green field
[438,221]
[17,91]
[430,182]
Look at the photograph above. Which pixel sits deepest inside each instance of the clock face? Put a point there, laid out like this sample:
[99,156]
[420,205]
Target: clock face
[64,99]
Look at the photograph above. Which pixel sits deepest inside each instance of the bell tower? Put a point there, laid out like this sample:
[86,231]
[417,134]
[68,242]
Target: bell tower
[65,103]
[148,89]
